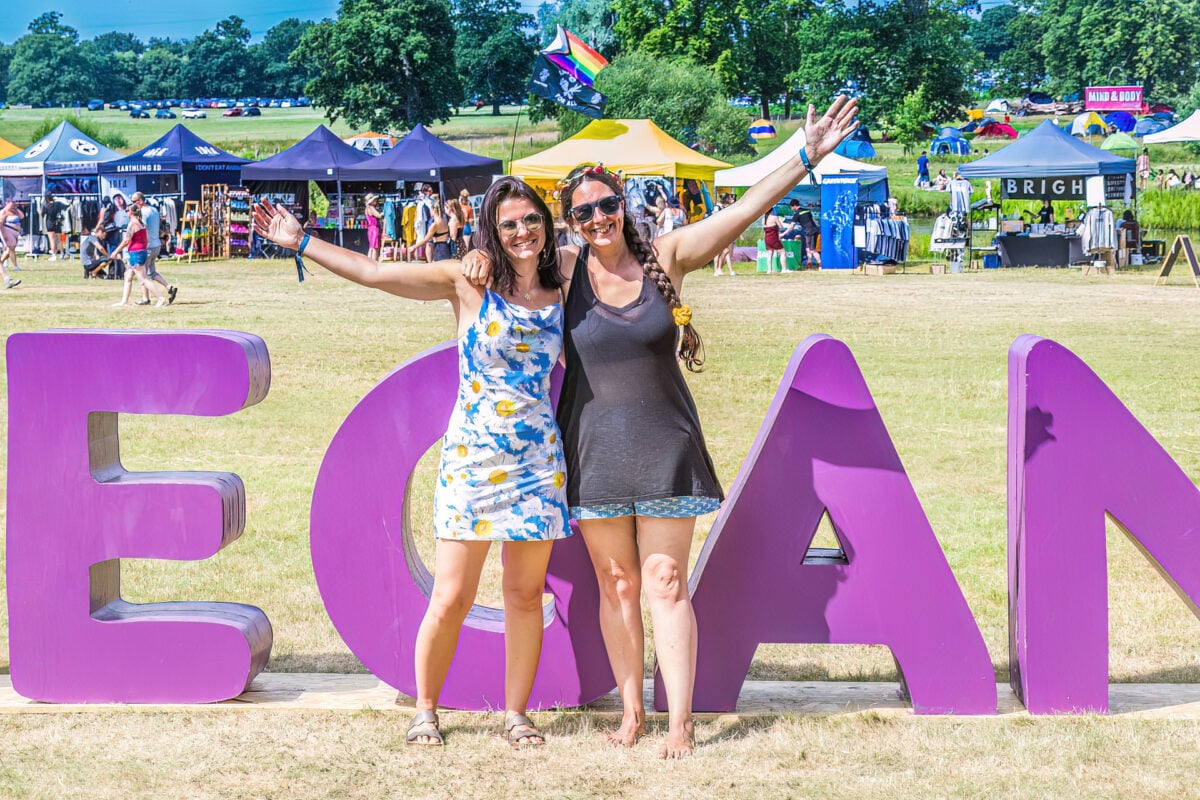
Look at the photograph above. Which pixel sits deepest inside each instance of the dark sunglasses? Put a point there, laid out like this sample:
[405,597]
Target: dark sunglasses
[584,211]
[533,222]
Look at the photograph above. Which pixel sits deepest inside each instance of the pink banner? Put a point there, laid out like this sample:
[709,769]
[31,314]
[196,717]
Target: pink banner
[1114,98]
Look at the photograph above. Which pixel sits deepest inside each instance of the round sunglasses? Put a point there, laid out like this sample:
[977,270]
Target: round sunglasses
[533,222]
[585,211]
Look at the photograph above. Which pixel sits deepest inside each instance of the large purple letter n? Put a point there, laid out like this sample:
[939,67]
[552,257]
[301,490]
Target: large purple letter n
[1074,453]
[74,512]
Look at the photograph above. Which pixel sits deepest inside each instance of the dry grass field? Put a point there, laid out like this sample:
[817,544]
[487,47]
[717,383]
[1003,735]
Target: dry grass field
[933,350]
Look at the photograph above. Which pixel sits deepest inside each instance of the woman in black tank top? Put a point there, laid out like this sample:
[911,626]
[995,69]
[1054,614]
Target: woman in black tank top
[638,470]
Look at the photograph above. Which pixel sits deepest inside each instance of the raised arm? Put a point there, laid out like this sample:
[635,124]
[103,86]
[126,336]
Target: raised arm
[692,246]
[437,281]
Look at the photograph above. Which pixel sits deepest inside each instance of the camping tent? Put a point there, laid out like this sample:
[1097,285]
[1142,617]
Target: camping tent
[1148,126]
[633,146]
[421,156]
[370,142]
[995,130]
[950,142]
[1186,131]
[762,129]
[1123,121]
[1089,123]
[997,106]
[178,162]
[852,148]
[1047,151]
[1122,144]
[872,179]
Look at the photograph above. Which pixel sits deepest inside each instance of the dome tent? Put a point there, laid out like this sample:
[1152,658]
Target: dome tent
[950,142]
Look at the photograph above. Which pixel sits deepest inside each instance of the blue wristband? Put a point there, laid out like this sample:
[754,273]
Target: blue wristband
[812,177]
[304,244]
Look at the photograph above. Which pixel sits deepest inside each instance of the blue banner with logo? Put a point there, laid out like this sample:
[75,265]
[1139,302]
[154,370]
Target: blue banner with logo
[839,196]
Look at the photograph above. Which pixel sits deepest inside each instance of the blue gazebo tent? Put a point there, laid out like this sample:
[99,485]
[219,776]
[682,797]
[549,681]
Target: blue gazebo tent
[320,157]
[950,142]
[422,156]
[1047,151]
[66,155]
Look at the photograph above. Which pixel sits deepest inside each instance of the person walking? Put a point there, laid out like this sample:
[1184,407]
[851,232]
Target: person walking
[374,226]
[502,475]
[153,222]
[135,244]
[10,233]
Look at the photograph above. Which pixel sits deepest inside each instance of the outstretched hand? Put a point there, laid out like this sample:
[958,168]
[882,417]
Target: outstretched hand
[277,224]
[825,134]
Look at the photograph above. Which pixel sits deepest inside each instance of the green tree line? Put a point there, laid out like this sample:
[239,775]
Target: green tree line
[394,63]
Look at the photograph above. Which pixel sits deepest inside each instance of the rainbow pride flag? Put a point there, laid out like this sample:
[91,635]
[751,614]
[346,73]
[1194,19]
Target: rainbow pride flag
[572,55]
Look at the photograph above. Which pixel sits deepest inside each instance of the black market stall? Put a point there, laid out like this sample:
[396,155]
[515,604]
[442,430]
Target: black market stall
[177,164]
[421,157]
[323,158]
[1050,164]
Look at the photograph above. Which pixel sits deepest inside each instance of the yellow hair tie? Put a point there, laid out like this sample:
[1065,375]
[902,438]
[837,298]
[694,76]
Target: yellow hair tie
[683,315]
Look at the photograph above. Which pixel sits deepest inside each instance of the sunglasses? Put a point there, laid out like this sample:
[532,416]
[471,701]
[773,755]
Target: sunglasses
[584,211]
[533,222]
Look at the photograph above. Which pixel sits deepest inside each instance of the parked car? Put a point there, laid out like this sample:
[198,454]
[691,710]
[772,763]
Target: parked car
[138,113]
[194,113]
[95,105]
[252,111]
[163,113]
[233,112]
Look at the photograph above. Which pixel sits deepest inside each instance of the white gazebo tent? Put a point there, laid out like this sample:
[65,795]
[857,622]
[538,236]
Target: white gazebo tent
[1186,131]
[832,164]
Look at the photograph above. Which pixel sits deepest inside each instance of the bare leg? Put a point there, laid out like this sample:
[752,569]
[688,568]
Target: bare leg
[612,545]
[127,287]
[524,583]
[457,567]
[664,545]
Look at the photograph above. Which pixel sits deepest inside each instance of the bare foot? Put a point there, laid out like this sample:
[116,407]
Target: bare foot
[679,743]
[633,727]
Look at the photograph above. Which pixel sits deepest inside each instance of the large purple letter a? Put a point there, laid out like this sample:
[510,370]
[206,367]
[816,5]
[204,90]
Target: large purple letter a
[823,446]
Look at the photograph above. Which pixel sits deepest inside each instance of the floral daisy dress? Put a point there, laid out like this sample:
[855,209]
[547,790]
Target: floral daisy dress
[502,475]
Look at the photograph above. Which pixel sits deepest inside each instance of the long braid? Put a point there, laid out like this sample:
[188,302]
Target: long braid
[690,348]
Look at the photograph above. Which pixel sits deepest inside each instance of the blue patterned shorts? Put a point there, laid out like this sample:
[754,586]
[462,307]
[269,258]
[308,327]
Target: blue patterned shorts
[666,508]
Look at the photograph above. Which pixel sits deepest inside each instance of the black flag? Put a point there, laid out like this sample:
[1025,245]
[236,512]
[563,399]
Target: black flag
[559,86]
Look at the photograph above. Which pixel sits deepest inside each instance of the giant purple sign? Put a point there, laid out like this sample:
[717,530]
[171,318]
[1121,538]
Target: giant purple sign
[74,512]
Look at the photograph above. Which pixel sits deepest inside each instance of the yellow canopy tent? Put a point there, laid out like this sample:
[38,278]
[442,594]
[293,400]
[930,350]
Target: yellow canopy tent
[630,146]
[7,148]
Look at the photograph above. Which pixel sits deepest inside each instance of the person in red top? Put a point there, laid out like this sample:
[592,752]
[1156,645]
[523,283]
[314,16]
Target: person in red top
[770,223]
[135,243]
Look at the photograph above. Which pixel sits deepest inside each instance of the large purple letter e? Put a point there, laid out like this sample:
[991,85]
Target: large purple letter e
[74,512]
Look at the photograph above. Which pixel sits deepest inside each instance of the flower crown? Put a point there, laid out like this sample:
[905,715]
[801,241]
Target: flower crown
[580,172]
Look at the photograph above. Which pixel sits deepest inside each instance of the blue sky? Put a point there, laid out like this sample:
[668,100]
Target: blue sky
[177,19]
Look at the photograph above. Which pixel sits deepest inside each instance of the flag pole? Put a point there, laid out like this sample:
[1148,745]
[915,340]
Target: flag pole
[513,149]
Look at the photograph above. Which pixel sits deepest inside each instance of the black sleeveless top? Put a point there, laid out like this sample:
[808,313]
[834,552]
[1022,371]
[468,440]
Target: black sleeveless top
[629,424]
